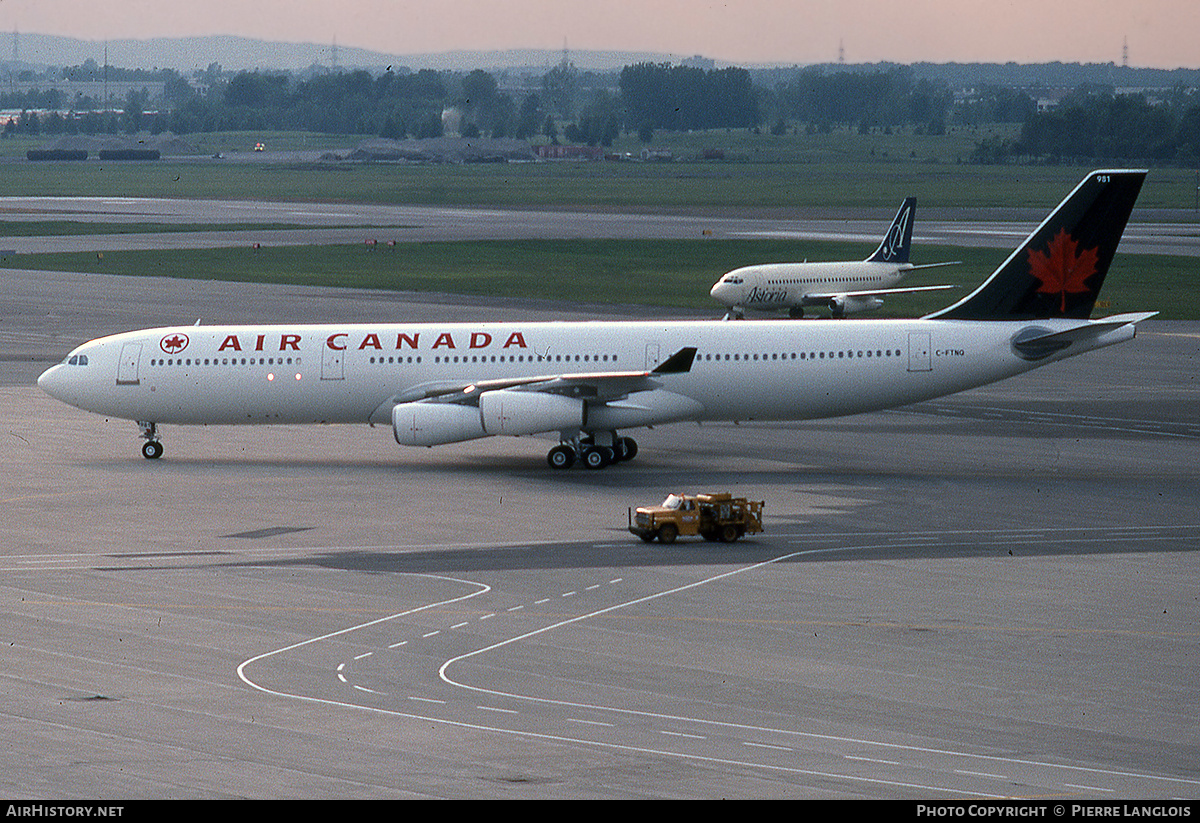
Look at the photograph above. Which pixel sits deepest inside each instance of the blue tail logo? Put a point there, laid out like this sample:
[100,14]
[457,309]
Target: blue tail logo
[898,240]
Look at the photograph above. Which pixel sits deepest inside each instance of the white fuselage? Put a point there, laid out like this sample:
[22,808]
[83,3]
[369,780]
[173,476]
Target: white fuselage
[780,286]
[762,370]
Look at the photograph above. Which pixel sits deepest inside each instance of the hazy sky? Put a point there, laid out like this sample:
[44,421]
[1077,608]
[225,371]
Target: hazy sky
[1161,33]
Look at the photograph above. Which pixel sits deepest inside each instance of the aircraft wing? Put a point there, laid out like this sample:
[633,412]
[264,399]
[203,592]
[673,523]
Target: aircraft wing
[821,298]
[596,386]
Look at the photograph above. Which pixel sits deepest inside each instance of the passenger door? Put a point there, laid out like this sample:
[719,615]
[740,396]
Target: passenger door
[127,368]
[918,351]
[333,364]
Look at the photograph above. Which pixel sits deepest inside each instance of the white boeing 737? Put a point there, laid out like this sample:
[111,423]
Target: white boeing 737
[843,287]
[438,383]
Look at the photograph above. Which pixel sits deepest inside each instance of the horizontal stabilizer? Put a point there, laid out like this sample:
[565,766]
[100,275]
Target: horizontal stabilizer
[1035,343]
[934,265]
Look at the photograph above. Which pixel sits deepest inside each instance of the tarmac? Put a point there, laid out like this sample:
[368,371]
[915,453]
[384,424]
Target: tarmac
[993,595]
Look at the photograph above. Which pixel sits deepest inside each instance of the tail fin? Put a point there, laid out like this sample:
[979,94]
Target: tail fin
[1058,270]
[895,245]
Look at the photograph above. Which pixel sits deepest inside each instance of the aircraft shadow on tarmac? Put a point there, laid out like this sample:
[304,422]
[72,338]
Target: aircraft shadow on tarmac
[617,551]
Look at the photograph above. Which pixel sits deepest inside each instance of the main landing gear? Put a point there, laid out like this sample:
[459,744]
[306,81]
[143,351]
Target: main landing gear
[592,454]
[152,449]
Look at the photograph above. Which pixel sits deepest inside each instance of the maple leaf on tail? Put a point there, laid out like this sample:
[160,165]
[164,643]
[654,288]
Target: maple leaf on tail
[1063,268]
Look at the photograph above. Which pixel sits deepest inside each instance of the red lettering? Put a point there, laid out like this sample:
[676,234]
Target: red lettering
[480,340]
[231,342]
[444,339]
[410,340]
[370,341]
[289,341]
[329,342]
[516,339]
[259,343]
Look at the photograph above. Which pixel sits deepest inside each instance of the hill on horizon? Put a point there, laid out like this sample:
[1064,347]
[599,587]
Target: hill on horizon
[231,53]
[243,53]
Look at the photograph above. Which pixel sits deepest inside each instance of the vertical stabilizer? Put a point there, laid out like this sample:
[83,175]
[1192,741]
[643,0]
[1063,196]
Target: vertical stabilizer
[1058,270]
[896,243]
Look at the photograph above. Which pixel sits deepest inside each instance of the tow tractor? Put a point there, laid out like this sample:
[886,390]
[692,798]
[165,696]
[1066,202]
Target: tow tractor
[714,517]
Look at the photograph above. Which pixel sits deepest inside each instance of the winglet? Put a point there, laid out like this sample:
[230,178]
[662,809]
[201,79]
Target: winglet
[678,363]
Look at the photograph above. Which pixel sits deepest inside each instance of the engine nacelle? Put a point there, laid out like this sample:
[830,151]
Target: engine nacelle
[845,304]
[432,424]
[522,412]
[645,408]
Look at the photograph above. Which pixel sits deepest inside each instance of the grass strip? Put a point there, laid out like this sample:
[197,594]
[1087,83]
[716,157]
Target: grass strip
[668,273]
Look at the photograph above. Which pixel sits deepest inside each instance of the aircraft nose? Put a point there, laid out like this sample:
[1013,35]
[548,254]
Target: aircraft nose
[48,380]
[54,382]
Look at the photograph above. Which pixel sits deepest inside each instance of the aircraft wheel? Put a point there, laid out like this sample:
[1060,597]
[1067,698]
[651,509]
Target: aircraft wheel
[152,450]
[598,457]
[627,448]
[668,533]
[561,457]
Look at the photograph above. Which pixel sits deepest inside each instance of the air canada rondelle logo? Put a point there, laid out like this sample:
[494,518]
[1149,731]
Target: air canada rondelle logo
[173,343]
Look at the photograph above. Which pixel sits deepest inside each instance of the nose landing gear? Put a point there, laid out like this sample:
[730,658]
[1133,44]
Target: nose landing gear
[152,449]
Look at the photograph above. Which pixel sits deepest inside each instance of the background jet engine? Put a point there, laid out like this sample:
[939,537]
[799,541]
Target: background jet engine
[845,304]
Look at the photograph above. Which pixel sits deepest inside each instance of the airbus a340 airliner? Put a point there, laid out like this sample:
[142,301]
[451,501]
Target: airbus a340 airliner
[450,382]
[844,287]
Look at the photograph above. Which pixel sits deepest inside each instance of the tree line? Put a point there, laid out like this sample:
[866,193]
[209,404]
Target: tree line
[585,107]
[1098,125]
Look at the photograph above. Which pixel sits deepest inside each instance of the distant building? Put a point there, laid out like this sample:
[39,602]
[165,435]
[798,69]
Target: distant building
[1050,99]
[657,155]
[548,152]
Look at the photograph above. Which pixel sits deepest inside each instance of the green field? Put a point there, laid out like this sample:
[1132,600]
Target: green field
[668,273]
[55,228]
[608,185]
[760,171]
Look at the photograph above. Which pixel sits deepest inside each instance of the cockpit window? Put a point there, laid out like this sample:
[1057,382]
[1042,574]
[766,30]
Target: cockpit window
[77,360]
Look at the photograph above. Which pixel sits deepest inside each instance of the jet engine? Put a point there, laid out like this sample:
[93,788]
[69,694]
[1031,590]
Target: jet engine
[645,408]
[432,424]
[521,412]
[845,304]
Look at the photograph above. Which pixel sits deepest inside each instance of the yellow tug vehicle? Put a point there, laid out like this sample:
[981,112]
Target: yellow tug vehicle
[715,517]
